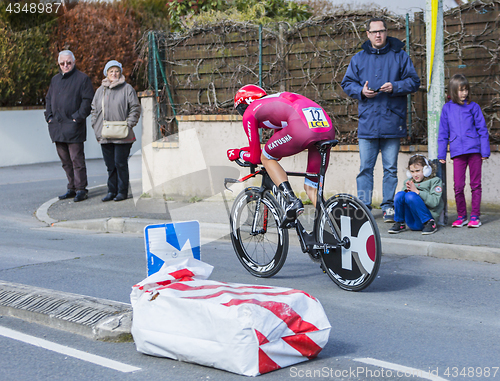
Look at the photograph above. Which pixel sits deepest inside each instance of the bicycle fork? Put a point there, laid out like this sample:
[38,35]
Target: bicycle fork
[256,218]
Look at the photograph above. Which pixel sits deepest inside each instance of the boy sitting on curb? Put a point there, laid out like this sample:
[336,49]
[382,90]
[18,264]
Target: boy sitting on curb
[420,202]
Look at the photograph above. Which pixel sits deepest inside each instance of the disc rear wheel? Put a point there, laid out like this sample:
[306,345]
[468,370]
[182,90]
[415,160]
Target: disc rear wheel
[354,266]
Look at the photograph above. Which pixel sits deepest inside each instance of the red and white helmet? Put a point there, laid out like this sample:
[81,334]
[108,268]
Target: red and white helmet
[247,94]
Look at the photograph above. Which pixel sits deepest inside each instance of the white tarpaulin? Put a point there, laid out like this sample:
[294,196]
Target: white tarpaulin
[245,329]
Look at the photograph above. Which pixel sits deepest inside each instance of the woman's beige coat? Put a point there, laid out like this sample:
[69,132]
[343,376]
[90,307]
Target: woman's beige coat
[120,103]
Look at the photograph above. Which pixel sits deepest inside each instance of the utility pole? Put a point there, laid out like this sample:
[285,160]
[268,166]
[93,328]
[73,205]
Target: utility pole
[435,71]
[435,85]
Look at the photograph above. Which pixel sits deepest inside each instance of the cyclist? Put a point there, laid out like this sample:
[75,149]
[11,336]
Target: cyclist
[298,123]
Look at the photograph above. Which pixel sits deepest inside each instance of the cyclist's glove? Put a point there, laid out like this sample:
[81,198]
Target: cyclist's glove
[235,153]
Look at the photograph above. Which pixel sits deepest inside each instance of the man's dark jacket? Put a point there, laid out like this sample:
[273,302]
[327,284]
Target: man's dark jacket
[69,97]
[385,115]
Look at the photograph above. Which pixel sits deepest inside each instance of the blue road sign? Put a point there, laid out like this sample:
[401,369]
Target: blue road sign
[170,241]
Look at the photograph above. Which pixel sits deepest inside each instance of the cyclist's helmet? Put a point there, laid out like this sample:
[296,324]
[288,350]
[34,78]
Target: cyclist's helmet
[246,95]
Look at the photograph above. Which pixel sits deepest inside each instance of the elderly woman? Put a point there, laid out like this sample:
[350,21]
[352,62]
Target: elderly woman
[115,101]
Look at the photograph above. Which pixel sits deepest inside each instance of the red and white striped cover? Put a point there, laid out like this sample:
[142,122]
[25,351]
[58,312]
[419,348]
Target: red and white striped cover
[245,329]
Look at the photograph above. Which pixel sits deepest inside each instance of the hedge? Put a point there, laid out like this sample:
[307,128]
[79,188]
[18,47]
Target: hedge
[94,32]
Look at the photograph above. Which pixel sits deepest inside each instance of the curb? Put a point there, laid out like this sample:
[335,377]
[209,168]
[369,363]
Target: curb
[209,231]
[394,246]
[42,213]
[216,231]
[98,319]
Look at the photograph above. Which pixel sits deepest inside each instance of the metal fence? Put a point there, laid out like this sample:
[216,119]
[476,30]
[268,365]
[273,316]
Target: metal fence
[202,68]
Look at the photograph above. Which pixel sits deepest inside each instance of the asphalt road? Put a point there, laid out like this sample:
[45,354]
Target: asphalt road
[422,317]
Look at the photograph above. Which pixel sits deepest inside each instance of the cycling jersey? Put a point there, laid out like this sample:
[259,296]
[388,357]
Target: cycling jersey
[298,123]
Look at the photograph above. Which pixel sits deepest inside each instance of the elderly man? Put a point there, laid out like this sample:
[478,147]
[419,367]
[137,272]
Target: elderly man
[379,77]
[68,104]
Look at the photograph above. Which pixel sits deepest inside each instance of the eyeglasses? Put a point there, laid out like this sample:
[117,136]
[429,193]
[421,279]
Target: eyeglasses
[382,31]
[67,63]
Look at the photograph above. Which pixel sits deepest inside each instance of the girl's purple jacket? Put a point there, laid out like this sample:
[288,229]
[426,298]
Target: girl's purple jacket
[464,128]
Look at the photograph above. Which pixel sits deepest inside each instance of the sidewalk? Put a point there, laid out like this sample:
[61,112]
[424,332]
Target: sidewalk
[131,216]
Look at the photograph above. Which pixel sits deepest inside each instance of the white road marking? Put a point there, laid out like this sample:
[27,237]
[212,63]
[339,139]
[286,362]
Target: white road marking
[102,361]
[402,369]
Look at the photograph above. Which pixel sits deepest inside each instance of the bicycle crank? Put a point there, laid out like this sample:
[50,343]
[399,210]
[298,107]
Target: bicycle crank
[325,247]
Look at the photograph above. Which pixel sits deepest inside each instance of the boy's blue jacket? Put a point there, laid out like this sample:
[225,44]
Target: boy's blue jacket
[464,127]
[385,115]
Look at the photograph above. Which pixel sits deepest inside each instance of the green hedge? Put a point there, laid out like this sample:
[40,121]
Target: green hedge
[95,32]
[26,65]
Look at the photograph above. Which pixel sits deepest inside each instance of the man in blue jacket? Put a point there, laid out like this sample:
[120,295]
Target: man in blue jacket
[379,77]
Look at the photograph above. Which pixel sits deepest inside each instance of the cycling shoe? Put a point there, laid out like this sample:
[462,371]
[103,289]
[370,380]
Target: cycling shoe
[294,209]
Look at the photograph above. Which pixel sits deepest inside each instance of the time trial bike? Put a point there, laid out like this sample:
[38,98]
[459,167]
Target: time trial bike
[345,237]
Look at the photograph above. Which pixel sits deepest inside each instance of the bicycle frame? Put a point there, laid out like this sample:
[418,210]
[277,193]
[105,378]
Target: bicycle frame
[308,243]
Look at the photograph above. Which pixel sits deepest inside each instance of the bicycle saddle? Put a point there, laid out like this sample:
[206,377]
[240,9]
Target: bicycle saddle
[325,144]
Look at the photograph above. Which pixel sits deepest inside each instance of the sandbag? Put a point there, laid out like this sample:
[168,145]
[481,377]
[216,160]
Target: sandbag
[245,329]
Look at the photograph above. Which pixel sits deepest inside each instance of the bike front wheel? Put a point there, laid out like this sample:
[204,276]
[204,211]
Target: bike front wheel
[260,244]
[354,266]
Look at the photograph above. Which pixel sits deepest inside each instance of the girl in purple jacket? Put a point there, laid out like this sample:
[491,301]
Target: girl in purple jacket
[463,127]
